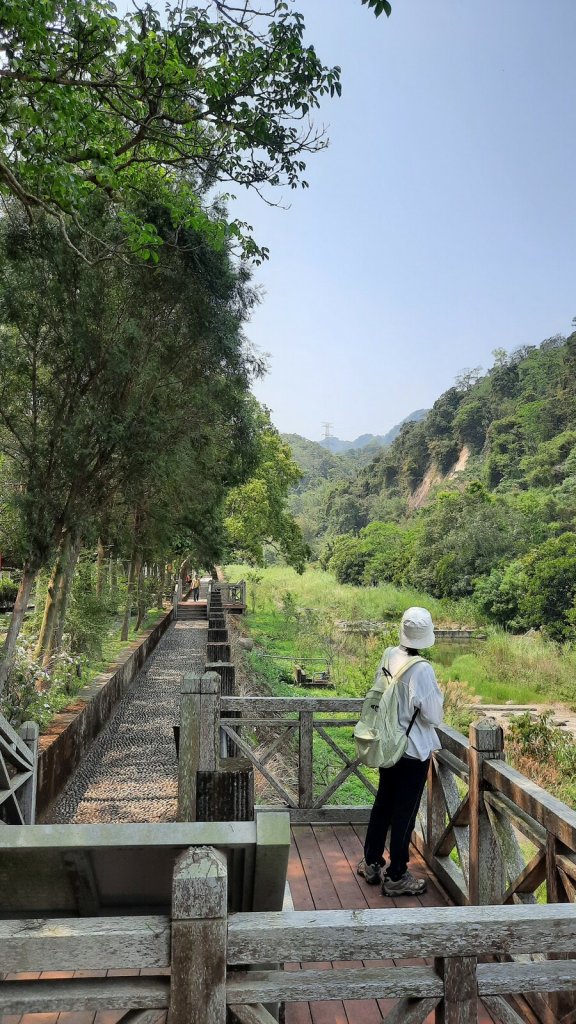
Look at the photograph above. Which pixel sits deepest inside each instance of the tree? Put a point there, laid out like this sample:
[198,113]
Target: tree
[255,512]
[213,93]
[97,364]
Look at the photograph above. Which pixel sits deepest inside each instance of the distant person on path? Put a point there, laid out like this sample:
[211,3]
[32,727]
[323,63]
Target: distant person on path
[195,587]
[401,786]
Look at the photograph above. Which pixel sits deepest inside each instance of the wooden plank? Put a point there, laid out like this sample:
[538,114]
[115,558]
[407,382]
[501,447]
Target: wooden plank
[352,768]
[502,1011]
[525,824]
[189,747]
[111,837]
[535,976]
[329,813]
[305,760]
[248,752]
[426,931]
[411,1011]
[555,816]
[91,944]
[271,865]
[456,766]
[528,880]
[446,871]
[511,862]
[250,1015]
[453,741]
[29,733]
[348,885]
[11,738]
[355,983]
[83,881]
[258,707]
[45,996]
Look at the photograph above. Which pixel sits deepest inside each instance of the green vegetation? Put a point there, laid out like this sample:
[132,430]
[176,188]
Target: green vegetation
[296,618]
[475,500]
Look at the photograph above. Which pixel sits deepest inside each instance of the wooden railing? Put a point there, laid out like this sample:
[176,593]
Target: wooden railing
[228,594]
[261,727]
[87,898]
[18,771]
[489,834]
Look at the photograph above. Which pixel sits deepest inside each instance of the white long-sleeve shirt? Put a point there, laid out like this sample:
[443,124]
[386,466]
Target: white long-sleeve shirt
[417,688]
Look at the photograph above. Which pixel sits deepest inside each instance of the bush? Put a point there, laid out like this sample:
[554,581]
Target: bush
[8,591]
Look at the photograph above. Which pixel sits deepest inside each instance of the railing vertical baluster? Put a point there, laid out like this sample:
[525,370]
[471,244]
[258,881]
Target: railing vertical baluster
[487,876]
[436,809]
[460,1002]
[306,768]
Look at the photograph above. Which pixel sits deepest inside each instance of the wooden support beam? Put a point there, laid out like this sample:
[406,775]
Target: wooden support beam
[198,962]
[487,881]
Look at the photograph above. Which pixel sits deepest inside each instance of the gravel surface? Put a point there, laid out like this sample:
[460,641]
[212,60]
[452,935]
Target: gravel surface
[131,772]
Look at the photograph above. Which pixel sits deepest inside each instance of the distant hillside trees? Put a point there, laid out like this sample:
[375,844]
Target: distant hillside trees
[502,531]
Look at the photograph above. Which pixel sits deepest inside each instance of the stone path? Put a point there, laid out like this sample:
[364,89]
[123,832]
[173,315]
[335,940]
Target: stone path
[561,716]
[130,773]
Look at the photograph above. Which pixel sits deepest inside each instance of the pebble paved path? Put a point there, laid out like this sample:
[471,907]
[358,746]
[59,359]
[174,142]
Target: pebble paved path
[130,773]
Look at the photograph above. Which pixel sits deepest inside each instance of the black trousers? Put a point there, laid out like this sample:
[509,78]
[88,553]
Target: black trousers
[395,807]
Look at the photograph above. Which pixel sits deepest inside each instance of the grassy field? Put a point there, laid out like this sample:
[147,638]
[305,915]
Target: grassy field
[297,617]
[294,618]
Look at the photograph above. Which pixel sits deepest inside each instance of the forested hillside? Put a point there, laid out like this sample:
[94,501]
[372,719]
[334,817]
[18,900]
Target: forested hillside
[493,467]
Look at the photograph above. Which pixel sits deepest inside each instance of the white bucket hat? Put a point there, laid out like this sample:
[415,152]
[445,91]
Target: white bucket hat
[417,629]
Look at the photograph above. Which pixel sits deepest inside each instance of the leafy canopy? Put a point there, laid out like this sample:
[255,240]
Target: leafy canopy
[211,93]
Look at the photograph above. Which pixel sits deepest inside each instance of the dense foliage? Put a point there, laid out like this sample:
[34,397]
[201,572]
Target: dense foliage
[477,499]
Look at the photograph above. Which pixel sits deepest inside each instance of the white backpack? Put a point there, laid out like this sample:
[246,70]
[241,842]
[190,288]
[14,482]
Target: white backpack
[379,738]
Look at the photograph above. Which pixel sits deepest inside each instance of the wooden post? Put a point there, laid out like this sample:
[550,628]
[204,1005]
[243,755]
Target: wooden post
[435,809]
[487,876]
[218,652]
[459,1005]
[27,793]
[199,738]
[199,929]
[305,766]
[217,635]
[227,672]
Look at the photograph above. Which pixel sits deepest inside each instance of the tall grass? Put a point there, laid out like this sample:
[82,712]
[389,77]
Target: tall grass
[504,667]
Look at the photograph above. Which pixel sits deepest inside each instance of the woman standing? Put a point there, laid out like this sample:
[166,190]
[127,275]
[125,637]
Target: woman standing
[401,786]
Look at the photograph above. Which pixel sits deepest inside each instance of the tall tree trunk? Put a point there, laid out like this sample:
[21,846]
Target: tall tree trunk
[100,568]
[132,575]
[61,599]
[18,612]
[114,581]
[161,577]
[142,591]
[46,629]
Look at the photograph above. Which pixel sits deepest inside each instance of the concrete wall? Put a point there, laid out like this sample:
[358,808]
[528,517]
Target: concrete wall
[73,730]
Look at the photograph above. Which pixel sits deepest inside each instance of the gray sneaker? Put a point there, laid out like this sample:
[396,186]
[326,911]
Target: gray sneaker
[373,873]
[407,885]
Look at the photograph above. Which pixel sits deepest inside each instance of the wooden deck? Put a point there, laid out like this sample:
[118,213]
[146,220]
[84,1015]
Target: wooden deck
[322,876]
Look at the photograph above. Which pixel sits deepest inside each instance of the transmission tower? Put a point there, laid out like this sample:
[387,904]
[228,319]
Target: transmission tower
[327,428]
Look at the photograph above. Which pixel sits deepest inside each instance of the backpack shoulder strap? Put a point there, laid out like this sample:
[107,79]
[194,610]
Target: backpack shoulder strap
[407,664]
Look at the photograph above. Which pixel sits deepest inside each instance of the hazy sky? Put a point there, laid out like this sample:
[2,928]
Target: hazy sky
[439,225]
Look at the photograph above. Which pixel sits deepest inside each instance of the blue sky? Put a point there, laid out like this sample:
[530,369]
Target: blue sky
[439,225]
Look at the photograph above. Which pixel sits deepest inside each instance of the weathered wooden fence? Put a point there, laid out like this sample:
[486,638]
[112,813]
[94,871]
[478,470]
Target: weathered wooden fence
[489,834]
[93,897]
[18,773]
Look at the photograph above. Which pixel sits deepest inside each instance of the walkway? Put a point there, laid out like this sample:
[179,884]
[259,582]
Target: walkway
[322,876]
[131,773]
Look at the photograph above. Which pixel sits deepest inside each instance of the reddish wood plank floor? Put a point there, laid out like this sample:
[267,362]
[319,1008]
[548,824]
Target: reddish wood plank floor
[322,876]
